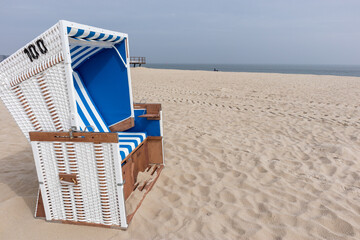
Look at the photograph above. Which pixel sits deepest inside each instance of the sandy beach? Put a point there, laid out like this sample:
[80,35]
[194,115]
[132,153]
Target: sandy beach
[248,156]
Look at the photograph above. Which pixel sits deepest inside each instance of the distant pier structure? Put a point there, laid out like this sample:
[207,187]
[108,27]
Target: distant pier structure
[137,61]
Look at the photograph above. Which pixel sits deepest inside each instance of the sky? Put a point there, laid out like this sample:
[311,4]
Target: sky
[206,31]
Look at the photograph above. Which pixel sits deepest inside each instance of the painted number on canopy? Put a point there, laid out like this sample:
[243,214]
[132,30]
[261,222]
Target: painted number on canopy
[32,51]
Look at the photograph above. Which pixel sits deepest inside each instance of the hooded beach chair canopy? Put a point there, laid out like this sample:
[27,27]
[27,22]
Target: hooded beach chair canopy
[99,60]
[96,56]
[73,79]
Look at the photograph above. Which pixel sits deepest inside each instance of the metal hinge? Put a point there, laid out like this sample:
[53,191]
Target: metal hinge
[121,184]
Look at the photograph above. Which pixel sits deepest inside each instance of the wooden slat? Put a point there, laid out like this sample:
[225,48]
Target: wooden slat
[152,110]
[137,161]
[128,176]
[150,107]
[150,116]
[148,189]
[66,177]
[140,160]
[123,125]
[129,156]
[154,145]
[40,211]
[127,50]
[77,137]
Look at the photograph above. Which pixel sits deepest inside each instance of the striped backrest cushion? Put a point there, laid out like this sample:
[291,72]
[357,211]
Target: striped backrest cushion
[80,53]
[88,114]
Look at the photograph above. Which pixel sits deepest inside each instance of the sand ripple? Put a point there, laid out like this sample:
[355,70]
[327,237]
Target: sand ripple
[248,156]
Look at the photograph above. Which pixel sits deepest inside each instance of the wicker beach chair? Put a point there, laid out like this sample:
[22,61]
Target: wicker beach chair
[69,90]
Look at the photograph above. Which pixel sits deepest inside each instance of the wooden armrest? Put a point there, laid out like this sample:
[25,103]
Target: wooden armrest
[95,137]
[150,107]
[152,110]
[122,125]
[150,116]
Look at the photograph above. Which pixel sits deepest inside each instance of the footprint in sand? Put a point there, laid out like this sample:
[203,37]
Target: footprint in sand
[335,224]
[173,197]
[203,190]
[227,196]
[189,177]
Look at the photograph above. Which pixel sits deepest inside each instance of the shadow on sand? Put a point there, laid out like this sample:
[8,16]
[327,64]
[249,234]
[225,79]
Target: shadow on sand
[18,172]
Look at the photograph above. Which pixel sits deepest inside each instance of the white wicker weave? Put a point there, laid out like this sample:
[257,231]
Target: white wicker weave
[39,95]
[22,87]
[96,197]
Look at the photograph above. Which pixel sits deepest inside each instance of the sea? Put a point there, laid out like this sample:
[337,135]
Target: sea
[337,70]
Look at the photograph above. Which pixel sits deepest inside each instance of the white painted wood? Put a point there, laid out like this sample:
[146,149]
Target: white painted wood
[120,185]
[91,28]
[41,180]
[129,76]
[162,135]
[100,44]
[125,65]
[68,72]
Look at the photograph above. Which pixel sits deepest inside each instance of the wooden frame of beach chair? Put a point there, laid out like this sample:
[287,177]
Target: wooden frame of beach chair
[69,90]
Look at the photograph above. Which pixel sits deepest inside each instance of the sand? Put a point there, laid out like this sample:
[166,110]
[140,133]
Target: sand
[248,156]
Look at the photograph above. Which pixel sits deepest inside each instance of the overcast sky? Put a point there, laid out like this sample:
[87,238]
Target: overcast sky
[252,31]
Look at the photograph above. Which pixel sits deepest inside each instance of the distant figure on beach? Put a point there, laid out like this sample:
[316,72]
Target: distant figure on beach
[216,70]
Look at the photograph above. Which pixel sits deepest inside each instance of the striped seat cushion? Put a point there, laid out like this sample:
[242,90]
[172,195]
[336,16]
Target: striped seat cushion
[128,141]
[88,115]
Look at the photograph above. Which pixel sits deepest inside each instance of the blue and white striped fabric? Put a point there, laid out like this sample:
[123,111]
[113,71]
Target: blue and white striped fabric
[86,35]
[88,115]
[80,53]
[128,141]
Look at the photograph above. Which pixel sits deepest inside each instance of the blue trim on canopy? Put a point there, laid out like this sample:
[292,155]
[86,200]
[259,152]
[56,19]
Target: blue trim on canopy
[100,36]
[81,34]
[91,34]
